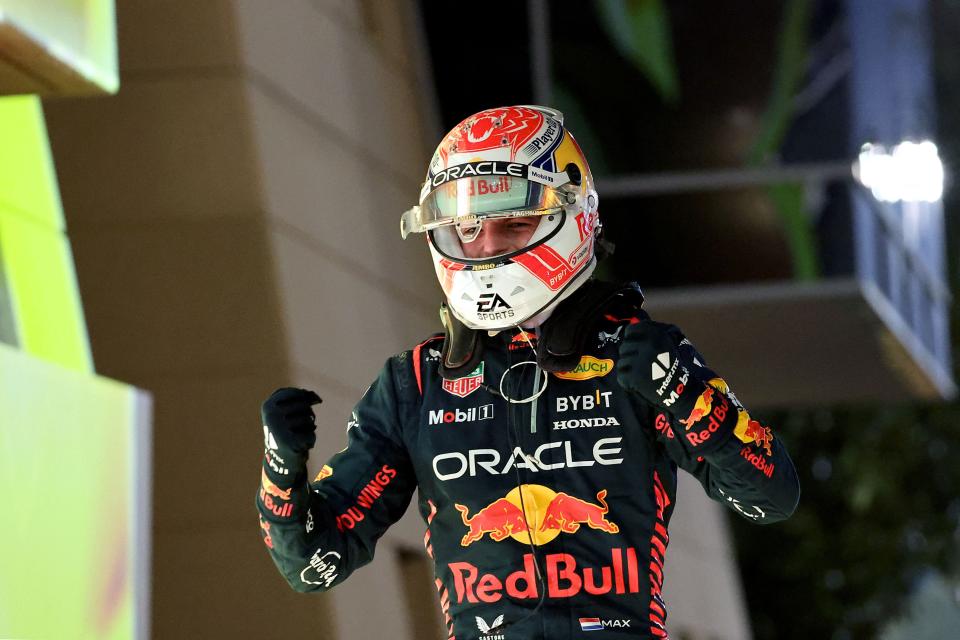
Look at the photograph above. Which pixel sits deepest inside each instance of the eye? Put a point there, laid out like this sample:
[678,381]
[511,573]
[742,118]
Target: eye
[521,223]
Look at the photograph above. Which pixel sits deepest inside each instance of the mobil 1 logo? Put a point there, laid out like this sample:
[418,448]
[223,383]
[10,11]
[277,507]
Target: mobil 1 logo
[471,414]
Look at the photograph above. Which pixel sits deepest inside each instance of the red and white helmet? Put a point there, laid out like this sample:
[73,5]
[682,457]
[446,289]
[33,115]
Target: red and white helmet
[504,163]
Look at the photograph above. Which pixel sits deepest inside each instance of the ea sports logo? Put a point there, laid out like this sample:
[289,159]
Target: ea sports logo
[490,302]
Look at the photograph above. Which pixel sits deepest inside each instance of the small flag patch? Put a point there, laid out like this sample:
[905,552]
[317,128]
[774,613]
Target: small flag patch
[590,624]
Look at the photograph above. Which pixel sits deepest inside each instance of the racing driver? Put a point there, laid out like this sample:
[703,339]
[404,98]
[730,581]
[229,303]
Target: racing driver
[543,428]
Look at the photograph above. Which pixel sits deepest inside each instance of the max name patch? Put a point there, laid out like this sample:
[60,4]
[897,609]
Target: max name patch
[589,367]
[466,385]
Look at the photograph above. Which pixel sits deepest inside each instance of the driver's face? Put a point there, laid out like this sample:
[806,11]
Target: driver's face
[501,236]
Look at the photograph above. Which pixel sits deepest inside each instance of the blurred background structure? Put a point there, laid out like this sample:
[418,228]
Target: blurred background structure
[231,175]
[74,445]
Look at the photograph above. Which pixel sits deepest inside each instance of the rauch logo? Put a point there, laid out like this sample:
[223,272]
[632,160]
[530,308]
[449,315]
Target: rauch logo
[588,367]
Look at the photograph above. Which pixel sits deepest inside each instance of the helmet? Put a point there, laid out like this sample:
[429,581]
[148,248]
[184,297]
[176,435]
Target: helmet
[505,163]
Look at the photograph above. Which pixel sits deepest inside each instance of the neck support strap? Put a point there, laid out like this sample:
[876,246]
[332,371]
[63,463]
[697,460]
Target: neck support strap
[562,338]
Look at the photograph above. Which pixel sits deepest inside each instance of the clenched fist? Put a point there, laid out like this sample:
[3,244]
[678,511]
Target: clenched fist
[650,363]
[288,428]
[659,363]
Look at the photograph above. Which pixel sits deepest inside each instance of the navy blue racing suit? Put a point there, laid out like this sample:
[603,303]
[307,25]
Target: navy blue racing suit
[544,519]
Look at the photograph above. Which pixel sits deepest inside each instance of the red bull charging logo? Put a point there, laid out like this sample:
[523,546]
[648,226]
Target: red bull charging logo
[548,513]
[756,433]
[702,407]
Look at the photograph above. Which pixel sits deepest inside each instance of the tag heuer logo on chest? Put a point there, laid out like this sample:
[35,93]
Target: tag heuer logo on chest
[466,385]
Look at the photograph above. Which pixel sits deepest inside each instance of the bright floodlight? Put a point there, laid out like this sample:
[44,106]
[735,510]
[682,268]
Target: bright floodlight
[911,171]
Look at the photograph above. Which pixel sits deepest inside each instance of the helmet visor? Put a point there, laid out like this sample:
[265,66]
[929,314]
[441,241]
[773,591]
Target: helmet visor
[467,201]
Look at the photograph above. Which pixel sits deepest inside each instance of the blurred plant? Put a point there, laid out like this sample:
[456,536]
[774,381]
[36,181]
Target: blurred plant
[879,511]
[640,31]
[788,199]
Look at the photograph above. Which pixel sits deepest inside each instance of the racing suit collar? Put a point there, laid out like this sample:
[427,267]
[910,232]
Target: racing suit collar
[562,336]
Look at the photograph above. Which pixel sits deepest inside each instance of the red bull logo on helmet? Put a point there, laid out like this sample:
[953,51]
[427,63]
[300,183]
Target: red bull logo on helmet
[548,514]
[493,128]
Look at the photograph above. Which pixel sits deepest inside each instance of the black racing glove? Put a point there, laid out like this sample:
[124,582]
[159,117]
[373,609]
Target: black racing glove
[661,365]
[289,431]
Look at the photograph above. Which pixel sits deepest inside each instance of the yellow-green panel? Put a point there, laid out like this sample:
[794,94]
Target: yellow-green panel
[28,180]
[72,558]
[38,263]
[81,33]
[43,292]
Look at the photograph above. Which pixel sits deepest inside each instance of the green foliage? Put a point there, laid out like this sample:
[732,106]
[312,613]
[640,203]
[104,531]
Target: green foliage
[788,198]
[791,61]
[792,206]
[640,31]
[879,511]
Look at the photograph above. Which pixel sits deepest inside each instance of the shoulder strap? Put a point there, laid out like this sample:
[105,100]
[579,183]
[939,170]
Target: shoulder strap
[462,349]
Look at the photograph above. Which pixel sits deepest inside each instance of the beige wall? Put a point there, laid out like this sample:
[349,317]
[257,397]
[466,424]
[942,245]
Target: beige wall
[234,215]
[701,583]
[234,211]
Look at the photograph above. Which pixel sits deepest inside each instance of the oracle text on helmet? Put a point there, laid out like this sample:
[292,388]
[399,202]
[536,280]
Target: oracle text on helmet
[482,168]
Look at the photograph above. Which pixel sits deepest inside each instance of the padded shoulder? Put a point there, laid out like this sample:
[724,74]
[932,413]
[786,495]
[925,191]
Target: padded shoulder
[433,346]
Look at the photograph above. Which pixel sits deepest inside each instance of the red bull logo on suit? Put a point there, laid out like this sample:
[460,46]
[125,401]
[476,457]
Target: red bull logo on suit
[548,514]
[565,577]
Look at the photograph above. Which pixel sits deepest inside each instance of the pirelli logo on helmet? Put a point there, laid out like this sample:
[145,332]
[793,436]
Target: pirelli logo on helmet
[482,168]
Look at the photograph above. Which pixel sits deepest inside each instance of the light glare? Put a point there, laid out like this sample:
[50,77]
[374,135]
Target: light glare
[912,171]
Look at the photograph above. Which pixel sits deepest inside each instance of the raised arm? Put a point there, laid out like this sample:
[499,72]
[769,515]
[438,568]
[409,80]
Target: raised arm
[703,426]
[319,532]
